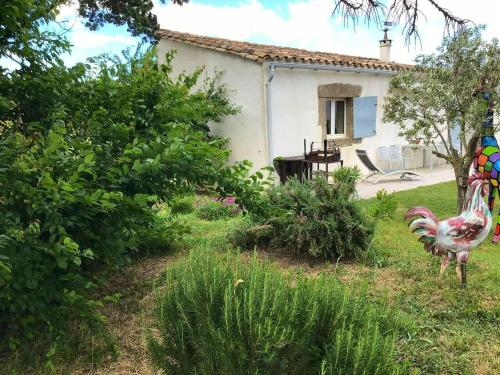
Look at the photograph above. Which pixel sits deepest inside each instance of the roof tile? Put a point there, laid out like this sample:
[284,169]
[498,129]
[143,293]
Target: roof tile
[263,52]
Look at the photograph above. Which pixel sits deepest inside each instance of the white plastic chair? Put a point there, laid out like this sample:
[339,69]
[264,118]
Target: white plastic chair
[398,154]
[384,155]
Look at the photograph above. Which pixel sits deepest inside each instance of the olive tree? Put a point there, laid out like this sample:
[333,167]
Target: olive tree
[443,95]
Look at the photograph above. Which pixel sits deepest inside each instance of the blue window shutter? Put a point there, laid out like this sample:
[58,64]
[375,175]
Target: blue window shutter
[365,116]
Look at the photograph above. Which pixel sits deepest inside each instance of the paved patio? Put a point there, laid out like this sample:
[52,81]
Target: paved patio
[429,177]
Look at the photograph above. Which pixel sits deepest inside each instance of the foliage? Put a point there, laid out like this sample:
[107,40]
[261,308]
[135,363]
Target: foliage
[217,210]
[347,177]
[24,37]
[29,38]
[315,218]
[217,314]
[235,180]
[136,14]
[386,206]
[182,204]
[442,96]
[160,233]
[247,235]
[84,159]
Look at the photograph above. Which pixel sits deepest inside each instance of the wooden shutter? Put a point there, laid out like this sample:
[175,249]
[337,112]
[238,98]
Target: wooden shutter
[365,116]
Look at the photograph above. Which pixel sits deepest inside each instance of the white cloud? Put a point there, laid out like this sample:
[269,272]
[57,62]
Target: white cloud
[91,39]
[309,25]
[82,38]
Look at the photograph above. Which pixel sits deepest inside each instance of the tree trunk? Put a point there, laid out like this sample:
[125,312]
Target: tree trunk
[461,175]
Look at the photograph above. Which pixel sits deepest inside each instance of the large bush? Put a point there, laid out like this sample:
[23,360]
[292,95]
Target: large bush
[218,315]
[85,155]
[313,217]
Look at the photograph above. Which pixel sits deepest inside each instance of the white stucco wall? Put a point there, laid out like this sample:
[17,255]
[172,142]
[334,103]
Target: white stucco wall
[294,101]
[295,111]
[244,79]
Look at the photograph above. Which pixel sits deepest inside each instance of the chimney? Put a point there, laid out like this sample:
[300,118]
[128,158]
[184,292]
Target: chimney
[385,47]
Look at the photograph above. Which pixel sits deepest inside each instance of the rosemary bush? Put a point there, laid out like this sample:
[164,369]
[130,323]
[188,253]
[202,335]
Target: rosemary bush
[315,218]
[216,314]
[347,177]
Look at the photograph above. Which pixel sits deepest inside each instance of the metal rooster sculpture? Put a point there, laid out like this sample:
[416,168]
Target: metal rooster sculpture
[457,236]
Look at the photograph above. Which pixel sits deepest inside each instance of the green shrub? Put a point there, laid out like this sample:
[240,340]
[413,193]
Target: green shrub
[386,205]
[247,235]
[217,210]
[347,177]
[160,234]
[315,218]
[218,315]
[183,204]
[81,173]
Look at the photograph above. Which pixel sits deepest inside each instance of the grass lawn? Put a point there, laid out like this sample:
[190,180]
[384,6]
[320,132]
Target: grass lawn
[457,330]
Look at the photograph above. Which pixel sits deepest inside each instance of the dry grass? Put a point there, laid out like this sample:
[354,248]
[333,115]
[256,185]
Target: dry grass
[128,318]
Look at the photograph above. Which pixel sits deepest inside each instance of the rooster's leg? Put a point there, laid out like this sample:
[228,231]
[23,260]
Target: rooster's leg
[444,264]
[463,269]
[462,273]
[458,270]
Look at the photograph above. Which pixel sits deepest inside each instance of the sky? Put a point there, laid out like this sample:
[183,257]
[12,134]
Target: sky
[304,24]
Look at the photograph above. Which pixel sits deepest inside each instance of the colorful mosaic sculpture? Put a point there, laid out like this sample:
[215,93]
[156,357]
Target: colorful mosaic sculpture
[487,160]
[454,238]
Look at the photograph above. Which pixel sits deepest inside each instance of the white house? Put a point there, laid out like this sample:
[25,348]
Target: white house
[287,95]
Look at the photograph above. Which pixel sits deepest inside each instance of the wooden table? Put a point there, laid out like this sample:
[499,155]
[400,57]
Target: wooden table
[301,167]
[325,162]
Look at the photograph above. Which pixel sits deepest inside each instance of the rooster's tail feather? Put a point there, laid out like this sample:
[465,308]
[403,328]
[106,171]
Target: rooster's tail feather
[425,224]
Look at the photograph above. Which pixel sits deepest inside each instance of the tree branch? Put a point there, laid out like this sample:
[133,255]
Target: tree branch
[405,12]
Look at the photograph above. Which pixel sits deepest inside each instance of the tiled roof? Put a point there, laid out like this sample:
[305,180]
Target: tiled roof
[263,52]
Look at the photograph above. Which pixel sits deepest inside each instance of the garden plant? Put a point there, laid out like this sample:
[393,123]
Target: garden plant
[216,314]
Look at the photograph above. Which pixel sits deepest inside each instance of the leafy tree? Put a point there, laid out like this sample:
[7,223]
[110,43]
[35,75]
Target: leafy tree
[442,95]
[26,39]
[86,155]
[136,14]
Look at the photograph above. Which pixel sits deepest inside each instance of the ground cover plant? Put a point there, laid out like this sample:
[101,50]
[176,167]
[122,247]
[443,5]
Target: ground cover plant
[182,204]
[312,217]
[216,314]
[214,209]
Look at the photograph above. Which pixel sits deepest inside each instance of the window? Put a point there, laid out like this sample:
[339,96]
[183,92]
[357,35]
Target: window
[335,117]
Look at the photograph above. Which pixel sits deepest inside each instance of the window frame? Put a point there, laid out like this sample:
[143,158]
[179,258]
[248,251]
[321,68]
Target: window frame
[332,122]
